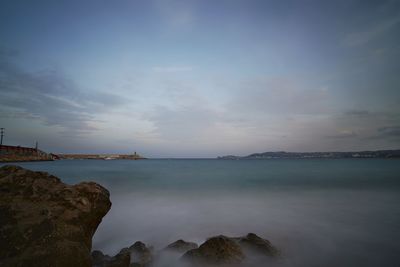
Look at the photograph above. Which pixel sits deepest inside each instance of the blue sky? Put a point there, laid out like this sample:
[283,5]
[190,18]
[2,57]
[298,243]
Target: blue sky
[200,78]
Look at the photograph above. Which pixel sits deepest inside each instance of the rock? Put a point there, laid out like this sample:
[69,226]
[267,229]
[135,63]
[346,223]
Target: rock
[98,258]
[219,250]
[140,254]
[181,246]
[137,255]
[45,222]
[222,250]
[119,260]
[254,243]
[122,259]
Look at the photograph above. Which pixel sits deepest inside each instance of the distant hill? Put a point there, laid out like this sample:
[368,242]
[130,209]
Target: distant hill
[300,155]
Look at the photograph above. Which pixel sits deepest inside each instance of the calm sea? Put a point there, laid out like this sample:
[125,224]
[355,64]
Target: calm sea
[327,212]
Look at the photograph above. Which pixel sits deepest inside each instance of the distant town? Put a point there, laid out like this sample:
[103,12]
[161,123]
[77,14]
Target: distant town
[304,155]
[133,156]
[20,153]
[10,153]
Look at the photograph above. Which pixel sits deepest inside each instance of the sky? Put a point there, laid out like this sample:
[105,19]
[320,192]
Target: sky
[200,78]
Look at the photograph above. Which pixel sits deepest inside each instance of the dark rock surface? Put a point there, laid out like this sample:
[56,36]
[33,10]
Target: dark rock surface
[140,254]
[44,222]
[137,255]
[252,242]
[181,246]
[122,259]
[227,251]
[219,250]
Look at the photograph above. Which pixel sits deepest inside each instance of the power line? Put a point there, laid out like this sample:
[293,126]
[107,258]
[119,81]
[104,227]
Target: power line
[2,134]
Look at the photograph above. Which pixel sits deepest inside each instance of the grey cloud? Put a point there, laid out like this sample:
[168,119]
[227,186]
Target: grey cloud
[177,14]
[184,124]
[279,96]
[343,135]
[50,97]
[368,124]
[358,113]
[364,36]
[387,134]
[389,131]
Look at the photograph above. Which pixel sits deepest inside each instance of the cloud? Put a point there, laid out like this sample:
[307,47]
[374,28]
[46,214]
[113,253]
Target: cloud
[51,98]
[279,96]
[358,113]
[183,124]
[176,14]
[389,132]
[344,134]
[172,69]
[375,31]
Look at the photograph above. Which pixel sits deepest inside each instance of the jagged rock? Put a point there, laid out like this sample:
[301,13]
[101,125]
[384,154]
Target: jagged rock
[122,259]
[257,244]
[119,260]
[98,258]
[45,222]
[140,254]
[219,250]
[137,255]
[181,246]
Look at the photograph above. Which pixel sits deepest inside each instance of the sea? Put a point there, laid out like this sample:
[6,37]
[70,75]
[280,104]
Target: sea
[318,212]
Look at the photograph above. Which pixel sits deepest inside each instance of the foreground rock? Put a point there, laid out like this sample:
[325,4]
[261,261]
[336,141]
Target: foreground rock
[249,250]
[226,251]
[45,222]
[181,246]
[137,255]
[219,250]
[253,243]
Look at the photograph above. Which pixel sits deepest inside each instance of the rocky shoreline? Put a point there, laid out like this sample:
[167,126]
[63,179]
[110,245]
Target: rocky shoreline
[45,222]
[215,251]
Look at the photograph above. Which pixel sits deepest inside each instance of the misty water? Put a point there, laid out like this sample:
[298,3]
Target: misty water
[325,212]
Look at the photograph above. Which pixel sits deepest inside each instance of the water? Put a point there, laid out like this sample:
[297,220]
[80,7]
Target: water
[327,212]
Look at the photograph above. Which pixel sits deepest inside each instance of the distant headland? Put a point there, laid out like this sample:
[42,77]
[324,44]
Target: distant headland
[20,154]
[333,155]
[133,156]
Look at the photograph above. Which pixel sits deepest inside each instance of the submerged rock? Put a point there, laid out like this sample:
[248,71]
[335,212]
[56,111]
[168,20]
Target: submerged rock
[219,250]
[181,246]
[45,222]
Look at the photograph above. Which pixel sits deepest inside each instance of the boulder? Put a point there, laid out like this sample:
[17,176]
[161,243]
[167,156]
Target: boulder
[181,246]
[98,258]
[120,260]
[254,243]
[45,222]
[140,254]
[137,255]
[219,250]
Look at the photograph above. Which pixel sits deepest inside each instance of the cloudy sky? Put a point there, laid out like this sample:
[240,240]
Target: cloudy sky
[200,78]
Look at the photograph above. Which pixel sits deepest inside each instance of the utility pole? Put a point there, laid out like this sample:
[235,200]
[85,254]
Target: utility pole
[2,134]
